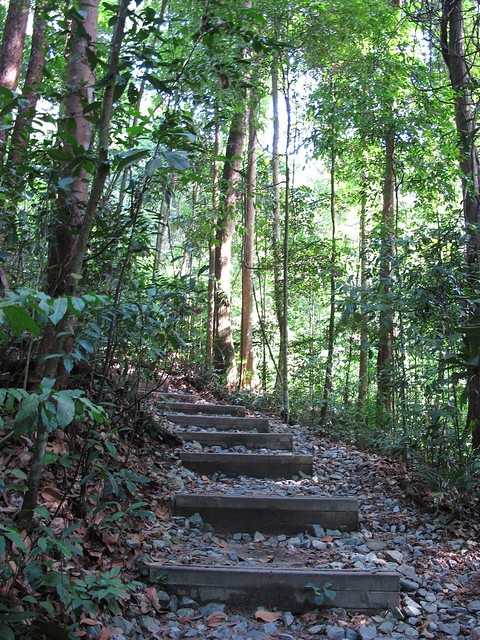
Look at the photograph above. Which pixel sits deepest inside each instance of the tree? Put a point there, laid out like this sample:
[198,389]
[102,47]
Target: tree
[385,330]
[452,41]
[11,51]
[247,364]
[76,206]
[30,94]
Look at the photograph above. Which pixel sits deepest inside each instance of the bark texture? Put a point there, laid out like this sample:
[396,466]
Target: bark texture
[276,228]
[211,254]
[363,354]
[247,365]
[385,332]
[27,109]
[11,51]
[453,50]
[224,350]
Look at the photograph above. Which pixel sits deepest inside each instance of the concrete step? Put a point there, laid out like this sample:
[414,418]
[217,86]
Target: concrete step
[202,407]
[283,441]
[176,396]
[271,514]
[223,423]
[280,588]
[256,465]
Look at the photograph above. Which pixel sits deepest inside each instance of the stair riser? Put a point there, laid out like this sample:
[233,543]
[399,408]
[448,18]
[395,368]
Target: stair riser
[269,515]
[194,409]
[279,441]
[222,423]
[279,588]
[253,465]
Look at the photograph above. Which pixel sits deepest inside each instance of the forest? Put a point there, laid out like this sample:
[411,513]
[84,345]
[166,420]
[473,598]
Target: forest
[258,214]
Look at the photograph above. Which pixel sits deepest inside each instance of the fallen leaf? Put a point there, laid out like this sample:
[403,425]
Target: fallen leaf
[327,539]
[267,616]
[106,634]
[90,622]
[151,593]
[216,619]
[51,495]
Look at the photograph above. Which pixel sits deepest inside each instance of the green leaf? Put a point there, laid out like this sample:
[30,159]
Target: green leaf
[65,184]
[48,606]
[177,160]
[27,415]
[60,307]
[65,410]
[19,320]
[126,158]
[78,304]
[14,536]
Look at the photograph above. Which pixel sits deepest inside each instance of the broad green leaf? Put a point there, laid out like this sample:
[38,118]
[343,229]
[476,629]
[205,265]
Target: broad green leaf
[19,320]
[27,415]
[65,410]
[14,536]
[60,307]
[177,159]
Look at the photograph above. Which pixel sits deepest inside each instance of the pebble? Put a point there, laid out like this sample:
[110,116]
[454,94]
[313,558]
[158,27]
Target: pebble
[335,633]
[450,628]
[368,632]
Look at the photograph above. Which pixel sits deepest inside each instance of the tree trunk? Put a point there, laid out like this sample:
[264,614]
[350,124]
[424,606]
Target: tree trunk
[385,333]
[285,253]
[452,42]
[73,198]
[211,253]
[224,351]
[328,384]
[26,110]
[77,208]
[247,365]
[276,227]
[363,355]
[11,52]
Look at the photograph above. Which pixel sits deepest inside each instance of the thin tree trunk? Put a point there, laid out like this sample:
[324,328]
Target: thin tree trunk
[224,350]
[211,253]
[385,333]
[159,240]
[11,51]
[453,49]
[247,365]
[286,223]
[276,225]
[328,384]
[363,355]
[30,95]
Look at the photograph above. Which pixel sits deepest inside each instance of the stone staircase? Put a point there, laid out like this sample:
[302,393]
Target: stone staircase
[295,589]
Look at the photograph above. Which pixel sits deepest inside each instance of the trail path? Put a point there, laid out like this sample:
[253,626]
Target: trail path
[400,558]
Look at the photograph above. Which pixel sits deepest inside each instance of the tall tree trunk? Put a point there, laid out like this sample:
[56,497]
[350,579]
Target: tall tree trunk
[285,249]
[224,350]
[77,208]
[385,333]
[363,355]
[11,51]
[73,197]
[247,365]
[27,108]
[452,42]
[276,226]
[211,252]
[328,384]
